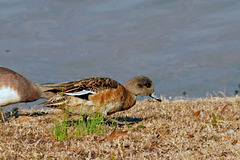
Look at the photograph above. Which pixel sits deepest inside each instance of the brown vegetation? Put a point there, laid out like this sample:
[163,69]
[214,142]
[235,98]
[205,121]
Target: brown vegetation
[181,129]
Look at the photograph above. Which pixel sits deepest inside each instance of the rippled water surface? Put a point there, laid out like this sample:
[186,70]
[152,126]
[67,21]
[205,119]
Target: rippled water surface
[182,45]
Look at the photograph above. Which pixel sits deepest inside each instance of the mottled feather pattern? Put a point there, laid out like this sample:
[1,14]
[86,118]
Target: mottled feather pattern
[57,100]
[95,84]
[98,94]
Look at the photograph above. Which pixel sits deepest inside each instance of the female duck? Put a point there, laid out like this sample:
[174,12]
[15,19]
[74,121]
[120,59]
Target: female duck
[98,94]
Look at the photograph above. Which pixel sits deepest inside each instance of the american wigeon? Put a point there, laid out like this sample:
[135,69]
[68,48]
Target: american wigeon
[15,88]
[98,94]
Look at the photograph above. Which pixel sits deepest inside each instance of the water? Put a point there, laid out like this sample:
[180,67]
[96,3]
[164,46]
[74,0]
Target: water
[182,45]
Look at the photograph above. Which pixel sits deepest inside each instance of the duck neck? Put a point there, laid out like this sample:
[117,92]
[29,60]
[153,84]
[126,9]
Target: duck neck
[130,100]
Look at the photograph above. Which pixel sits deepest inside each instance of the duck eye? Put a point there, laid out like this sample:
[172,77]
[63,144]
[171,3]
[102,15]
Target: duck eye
[148,85]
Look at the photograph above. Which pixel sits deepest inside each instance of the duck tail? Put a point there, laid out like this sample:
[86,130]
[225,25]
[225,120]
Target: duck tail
[57,101]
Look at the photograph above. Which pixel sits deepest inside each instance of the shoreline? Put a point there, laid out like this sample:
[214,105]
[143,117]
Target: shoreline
[200,128]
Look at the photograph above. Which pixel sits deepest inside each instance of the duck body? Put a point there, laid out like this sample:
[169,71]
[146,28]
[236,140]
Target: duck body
[97,94]
[15,88]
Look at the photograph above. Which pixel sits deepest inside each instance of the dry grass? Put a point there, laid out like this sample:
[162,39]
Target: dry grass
[182,129]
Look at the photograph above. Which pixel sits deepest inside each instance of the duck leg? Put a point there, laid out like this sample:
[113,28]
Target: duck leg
[85,117]
[3,117]
[114,121]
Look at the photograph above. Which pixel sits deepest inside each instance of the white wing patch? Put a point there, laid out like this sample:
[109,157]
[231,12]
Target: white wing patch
[8,96]
[80,93]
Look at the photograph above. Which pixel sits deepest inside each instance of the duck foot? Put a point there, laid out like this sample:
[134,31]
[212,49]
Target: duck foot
[3,117]
[120,122]
[115,121]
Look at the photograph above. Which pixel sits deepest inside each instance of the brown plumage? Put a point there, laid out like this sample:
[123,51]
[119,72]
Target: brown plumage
[15,88]
[91,83]
[98,94]
[85,96]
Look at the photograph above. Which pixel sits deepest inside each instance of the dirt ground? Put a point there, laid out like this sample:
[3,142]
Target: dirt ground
[181,129]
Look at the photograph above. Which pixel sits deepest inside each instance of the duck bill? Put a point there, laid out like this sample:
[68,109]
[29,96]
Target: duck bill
[154,96]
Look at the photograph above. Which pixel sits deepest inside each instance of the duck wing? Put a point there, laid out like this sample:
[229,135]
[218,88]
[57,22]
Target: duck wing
[79,89]
[94,84]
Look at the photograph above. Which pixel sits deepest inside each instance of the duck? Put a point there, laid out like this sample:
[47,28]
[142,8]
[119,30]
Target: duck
[15,88]
[98,95]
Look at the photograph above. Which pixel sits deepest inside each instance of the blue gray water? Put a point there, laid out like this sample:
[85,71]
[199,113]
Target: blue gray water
[182,45]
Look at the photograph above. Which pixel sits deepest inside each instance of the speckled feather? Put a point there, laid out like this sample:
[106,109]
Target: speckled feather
[98,94]
[95,84]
